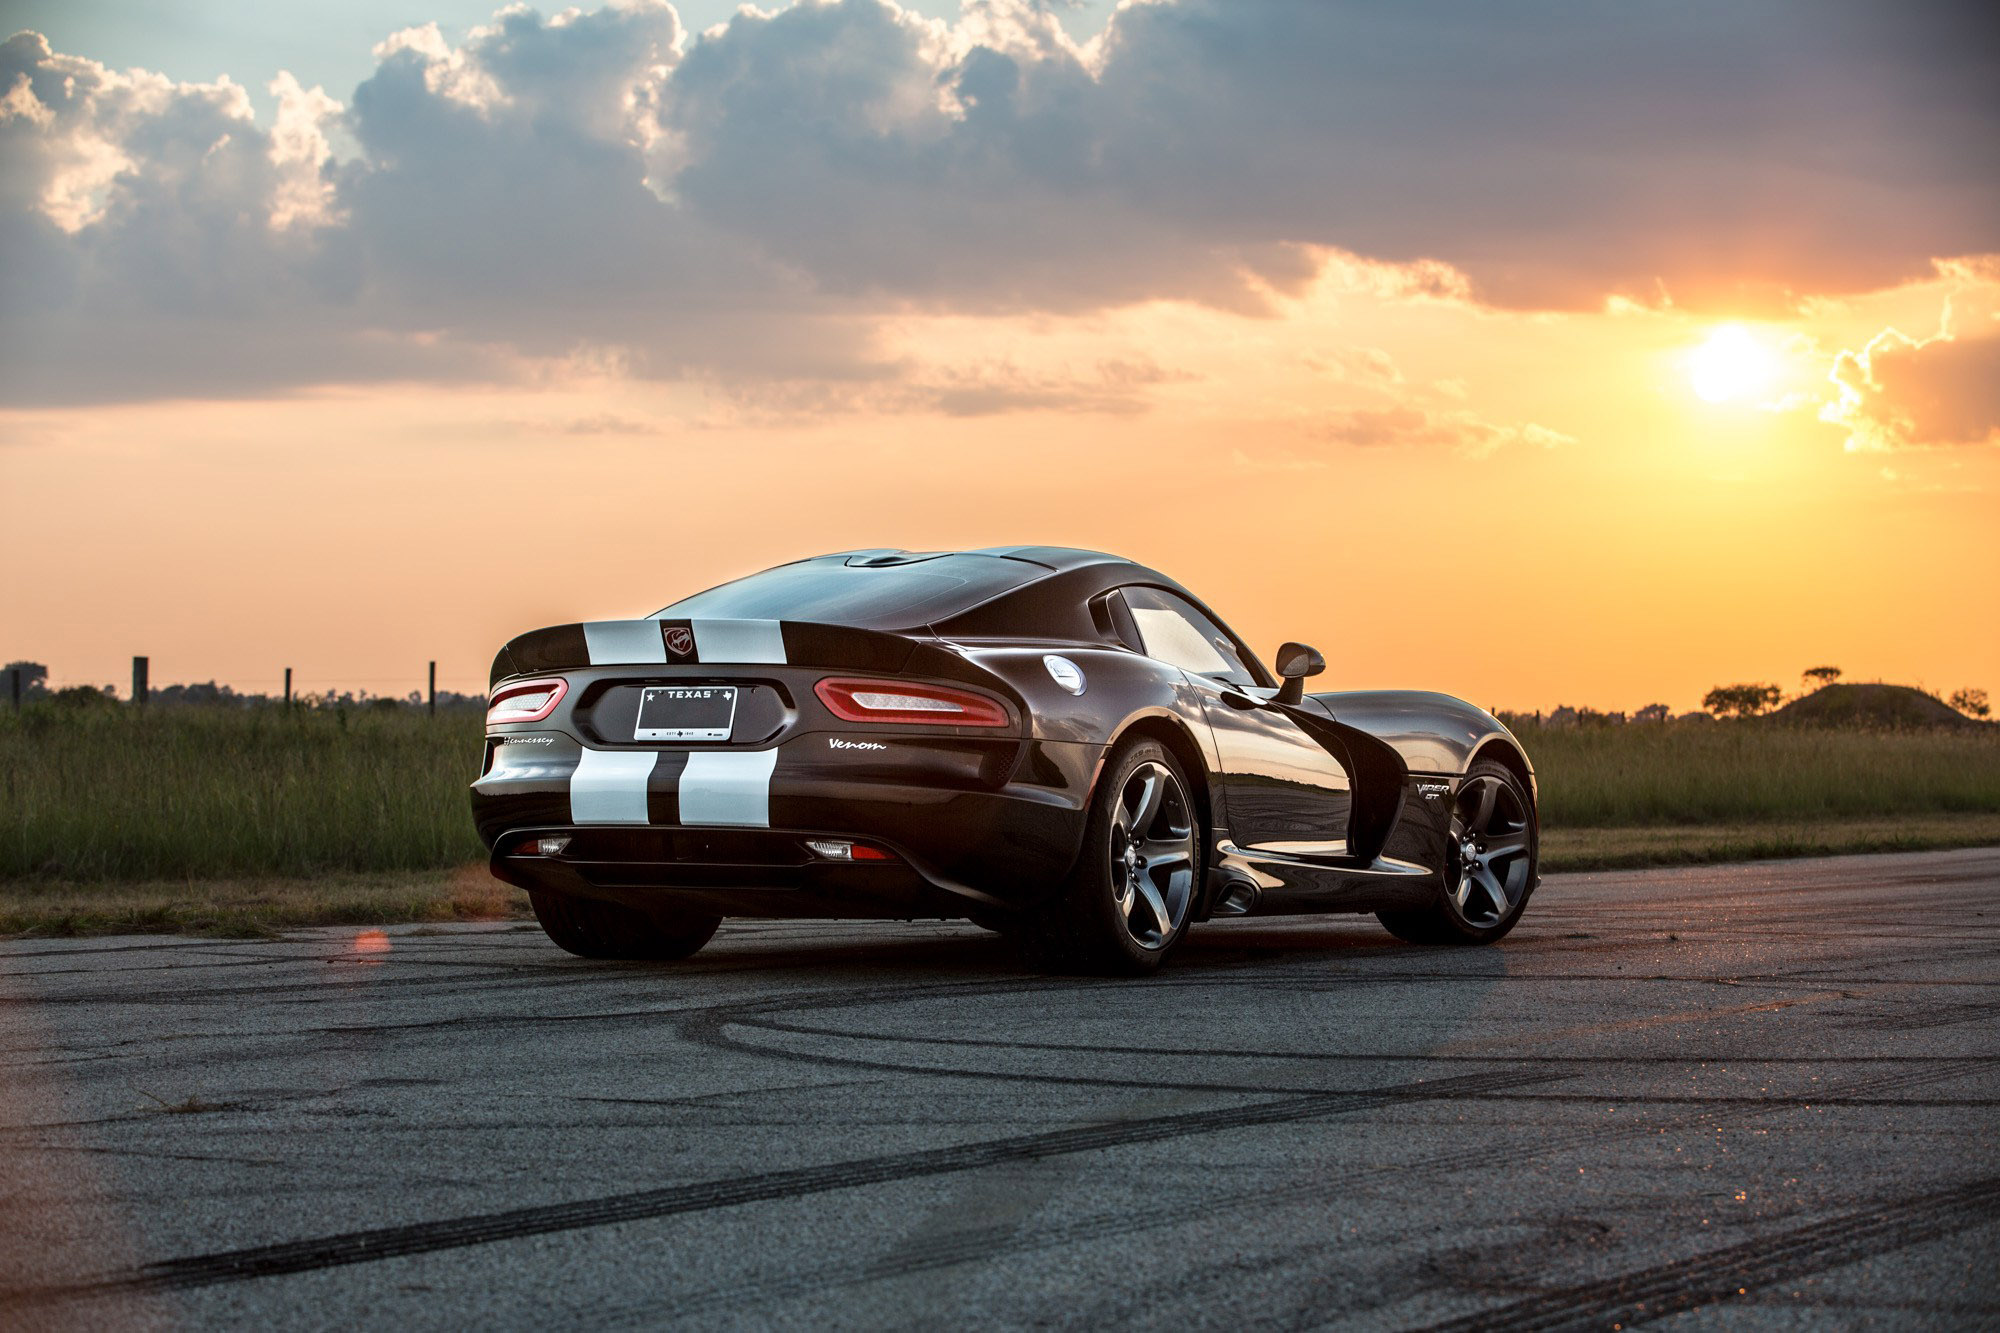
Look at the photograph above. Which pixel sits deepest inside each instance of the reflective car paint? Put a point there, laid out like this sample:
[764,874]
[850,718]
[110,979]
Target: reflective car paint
[978,820]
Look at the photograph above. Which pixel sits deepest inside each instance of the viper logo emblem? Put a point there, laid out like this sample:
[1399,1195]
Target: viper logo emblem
[680,640]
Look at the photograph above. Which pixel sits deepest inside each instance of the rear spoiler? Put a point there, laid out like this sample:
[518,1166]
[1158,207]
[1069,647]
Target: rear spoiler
[688,642]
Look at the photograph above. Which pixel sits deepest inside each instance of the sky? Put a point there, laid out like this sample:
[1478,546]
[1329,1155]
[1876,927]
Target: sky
[1547,353]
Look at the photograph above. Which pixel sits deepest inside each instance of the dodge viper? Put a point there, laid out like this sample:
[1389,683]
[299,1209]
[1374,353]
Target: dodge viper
[1057,744]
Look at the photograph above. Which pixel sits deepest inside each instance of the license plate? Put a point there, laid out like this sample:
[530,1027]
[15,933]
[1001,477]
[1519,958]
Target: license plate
[686,713]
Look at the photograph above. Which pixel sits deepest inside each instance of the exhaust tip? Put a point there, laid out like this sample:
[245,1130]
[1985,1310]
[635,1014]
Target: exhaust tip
[840,849]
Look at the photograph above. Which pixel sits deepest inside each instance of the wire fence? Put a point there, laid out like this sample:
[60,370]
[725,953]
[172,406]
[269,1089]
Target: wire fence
[24,682]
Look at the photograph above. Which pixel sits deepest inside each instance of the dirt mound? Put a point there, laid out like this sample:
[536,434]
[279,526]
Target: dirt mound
[1871,706]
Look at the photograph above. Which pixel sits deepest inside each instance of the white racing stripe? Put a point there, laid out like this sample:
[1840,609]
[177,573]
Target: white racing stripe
[609,786]
[728,787]
[739,641]
[624,642]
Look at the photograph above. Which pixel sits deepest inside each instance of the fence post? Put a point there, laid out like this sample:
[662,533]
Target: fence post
[434,689]
[288,687]
[139,665]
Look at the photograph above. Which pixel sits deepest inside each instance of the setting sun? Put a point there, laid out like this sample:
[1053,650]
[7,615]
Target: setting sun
[1731,366]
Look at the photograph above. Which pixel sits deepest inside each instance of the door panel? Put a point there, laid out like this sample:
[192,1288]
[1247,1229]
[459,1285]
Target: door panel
[1281,790]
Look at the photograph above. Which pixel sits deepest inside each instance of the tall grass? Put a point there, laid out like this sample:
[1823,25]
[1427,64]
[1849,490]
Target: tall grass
[1736,772]
[122,793]
[115,793]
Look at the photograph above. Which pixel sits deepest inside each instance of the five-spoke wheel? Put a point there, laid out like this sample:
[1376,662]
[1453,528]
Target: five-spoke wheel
[1152,854]
[1488,853]
[1489,863]
[1126,904]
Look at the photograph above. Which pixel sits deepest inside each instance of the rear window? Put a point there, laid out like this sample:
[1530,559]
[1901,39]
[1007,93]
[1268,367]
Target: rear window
[896,596]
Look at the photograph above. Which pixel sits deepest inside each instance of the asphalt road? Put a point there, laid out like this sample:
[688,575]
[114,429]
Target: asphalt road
[1761,1095]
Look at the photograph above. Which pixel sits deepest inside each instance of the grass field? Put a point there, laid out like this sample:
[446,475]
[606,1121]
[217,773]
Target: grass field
[245,819]
[1746,772]
[117,794]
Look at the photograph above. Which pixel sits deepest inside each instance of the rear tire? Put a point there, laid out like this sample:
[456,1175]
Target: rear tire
[1492,860]
[1126,903]
[589,928]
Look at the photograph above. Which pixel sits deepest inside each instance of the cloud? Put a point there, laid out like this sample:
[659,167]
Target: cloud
[1720,153]
[1370,367]
[1411,426]
[607,423]
[753,203]
[1897,391]
[1112,386]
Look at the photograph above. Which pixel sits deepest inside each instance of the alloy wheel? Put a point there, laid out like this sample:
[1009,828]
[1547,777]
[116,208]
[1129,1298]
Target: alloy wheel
[1152,854]
[1489,851]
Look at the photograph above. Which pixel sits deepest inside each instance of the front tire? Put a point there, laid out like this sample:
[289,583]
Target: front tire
[1492,859]
[592,929]
[1126,903]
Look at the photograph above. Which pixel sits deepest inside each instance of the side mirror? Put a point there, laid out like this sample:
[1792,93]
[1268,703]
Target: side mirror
[1296,661]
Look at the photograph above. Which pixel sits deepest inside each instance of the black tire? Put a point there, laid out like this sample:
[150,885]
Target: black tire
[592,929]
[1492,863]
[1104,921]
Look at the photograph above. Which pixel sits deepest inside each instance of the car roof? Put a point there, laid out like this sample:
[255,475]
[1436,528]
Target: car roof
[1056,559]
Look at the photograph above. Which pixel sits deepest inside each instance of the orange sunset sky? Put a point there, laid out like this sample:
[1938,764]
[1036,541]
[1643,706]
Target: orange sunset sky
[1554,356]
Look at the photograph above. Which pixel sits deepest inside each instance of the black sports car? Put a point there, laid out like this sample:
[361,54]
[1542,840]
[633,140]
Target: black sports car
[1058,744]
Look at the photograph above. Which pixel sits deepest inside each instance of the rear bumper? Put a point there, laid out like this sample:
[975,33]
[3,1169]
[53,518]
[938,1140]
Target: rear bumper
[972,825]
[769,874]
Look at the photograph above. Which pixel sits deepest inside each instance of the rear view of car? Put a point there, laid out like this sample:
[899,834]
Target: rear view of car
[1063,745]
[644,778]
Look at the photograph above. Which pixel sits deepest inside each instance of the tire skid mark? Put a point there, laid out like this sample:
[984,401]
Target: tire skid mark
[1254,974]
[1655,1292]
[708,1028]
[1972,1011]
[1337,1057]
[663,1009]
[374,1244]
[475,978]
[989,1243]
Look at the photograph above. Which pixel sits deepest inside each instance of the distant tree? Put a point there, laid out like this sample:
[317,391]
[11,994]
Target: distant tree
[204,694]
[1971,702]
[34,679]
[1741,700]
[1818,678]
[85,696]
[1651,713]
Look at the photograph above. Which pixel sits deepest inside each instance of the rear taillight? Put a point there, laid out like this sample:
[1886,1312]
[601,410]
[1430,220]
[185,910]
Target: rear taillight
[525,701]
[896,701]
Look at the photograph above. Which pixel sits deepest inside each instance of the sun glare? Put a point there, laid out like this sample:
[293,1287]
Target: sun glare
[1731,366]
